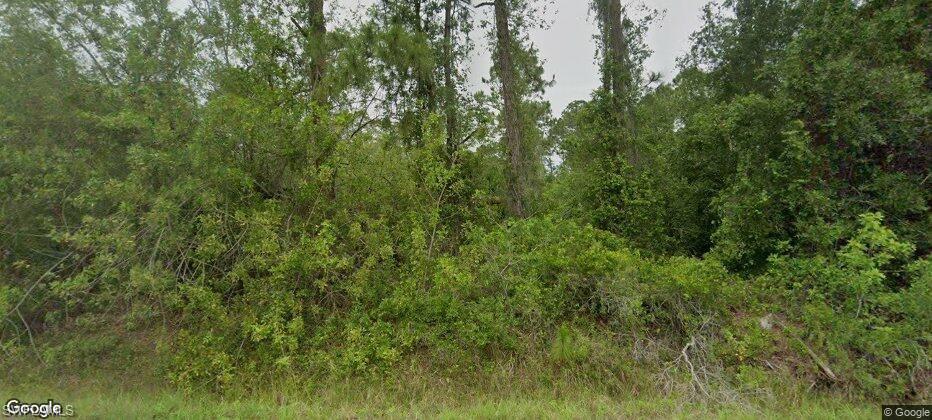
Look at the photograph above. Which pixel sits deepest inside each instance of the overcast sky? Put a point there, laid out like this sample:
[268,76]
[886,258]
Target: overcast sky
[569,50]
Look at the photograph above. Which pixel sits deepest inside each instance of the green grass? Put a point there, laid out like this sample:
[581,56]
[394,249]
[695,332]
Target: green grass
[349,400]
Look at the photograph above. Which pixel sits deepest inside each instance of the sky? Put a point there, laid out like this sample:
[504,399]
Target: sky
[568,48]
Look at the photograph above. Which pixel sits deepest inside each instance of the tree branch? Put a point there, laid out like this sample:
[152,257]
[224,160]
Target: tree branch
[300,28]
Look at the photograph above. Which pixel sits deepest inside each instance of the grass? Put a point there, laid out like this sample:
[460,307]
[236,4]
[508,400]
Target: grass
[354,400]
[133,387]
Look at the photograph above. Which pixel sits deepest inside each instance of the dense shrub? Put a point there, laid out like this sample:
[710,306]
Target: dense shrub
[502,286]
[862,307]
[209,191]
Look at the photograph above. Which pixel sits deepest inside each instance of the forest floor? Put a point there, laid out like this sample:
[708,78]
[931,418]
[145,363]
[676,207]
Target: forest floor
[355,401]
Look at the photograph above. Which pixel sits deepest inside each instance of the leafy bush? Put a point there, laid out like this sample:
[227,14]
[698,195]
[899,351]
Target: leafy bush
[859,308]
[259,205]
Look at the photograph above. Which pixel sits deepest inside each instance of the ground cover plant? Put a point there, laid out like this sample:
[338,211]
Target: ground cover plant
[251,202]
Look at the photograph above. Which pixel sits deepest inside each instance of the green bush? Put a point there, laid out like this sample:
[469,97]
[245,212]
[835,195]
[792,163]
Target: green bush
[182,179]
[860,307]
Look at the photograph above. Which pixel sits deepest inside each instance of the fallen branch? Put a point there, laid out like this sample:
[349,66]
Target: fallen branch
[692,370]
[822,364]
[32,341]
[28,291]
[769,320]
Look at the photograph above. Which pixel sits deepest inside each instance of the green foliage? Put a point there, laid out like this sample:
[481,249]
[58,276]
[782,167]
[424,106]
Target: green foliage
[791,127]
[569,347]
[856,307]
[502,284]
[179,179]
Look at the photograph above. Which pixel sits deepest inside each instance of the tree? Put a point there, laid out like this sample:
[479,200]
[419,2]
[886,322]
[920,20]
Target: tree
[516,176]
[621,65]
[616,66]
[449,86]
[316,35]
[738,39]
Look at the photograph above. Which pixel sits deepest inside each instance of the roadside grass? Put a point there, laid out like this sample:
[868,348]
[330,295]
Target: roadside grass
[357,400]
[130,388]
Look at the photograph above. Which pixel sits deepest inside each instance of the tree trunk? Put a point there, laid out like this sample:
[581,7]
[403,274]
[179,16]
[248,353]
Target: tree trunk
[449,86]
[617,51]
[605,22]
[515,176]
[317,34]
[425,82]
[617,79]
